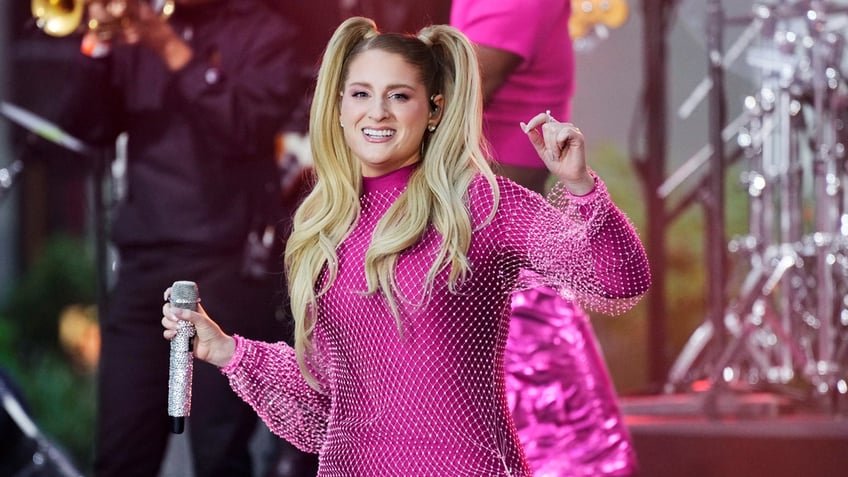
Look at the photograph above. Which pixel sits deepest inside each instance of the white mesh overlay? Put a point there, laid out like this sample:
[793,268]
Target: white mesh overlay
[429,399]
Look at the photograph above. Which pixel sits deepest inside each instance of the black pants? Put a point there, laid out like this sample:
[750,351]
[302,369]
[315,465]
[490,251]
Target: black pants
[133,425]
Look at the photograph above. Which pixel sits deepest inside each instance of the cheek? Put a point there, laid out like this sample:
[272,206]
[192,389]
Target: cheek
[349,115]
[344,110]
[415,116]
[350,107]
[348,132]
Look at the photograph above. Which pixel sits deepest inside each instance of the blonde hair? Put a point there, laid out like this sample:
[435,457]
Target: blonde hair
[436,193]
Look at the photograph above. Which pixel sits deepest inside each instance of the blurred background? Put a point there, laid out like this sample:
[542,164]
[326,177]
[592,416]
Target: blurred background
[651,120]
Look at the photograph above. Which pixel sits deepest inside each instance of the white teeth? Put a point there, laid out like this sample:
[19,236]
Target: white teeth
[378,132]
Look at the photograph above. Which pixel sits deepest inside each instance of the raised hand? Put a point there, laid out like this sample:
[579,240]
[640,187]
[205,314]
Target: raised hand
[561,147]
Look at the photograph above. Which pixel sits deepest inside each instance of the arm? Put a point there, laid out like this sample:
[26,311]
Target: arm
[138,25]
[267,376]
[239,77]
[264,375]
[506,33]
[600,259]
[495,66]
[583,246]
[245,82]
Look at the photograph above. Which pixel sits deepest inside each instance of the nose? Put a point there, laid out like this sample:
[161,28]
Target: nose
[379,109]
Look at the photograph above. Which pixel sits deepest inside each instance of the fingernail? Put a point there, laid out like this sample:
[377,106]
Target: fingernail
[523,127]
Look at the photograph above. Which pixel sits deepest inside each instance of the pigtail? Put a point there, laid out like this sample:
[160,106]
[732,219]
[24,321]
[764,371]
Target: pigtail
[326,214]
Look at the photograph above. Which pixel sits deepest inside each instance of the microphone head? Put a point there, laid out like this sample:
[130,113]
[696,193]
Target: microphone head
[184,294]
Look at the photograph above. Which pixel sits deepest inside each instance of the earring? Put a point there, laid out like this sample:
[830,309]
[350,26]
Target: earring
[431,128]
[434,108]
[341,123]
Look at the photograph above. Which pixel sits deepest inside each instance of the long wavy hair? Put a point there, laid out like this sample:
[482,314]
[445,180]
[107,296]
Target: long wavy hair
[436,193]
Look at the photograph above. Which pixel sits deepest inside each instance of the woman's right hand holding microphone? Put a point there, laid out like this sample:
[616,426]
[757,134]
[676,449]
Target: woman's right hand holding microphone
[211,344]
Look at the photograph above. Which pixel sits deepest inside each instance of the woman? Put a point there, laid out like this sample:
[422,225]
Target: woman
[401,264]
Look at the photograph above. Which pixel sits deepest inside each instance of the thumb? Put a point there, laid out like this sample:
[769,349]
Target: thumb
[535,138]
[205,326]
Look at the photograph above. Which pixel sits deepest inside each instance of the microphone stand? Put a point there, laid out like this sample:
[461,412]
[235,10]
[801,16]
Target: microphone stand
[716,240]
[98,176]
[45,452]
[99,158]
[717,118]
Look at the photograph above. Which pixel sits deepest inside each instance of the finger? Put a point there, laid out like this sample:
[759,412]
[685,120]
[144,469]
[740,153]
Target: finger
[535,139]
[550,134]
[96,11]
[177,314]
[536,121]
[569,135]
[572,129]
[563,138]
[169,323]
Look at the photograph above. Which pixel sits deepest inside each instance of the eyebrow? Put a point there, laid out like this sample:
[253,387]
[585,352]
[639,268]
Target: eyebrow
[391,86]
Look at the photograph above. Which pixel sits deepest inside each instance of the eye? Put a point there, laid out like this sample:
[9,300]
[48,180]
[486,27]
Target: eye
[402,97]
[359,94]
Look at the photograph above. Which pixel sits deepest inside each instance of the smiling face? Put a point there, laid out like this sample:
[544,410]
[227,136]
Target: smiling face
[385,111]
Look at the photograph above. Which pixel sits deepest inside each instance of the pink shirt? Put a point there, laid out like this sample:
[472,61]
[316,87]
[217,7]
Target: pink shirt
[429,399]
[537,31]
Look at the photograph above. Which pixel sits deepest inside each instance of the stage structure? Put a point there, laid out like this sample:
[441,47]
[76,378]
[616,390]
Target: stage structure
[782,326]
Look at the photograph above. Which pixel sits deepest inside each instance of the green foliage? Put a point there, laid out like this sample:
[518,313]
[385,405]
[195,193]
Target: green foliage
[63,274]
[58,395]
[624,339]
[8,337]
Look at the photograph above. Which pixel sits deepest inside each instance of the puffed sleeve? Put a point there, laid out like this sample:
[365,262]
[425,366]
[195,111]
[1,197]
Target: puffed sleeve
[584,246]
[267,376]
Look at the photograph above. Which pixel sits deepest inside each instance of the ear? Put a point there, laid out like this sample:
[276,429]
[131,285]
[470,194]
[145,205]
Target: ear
[437,104]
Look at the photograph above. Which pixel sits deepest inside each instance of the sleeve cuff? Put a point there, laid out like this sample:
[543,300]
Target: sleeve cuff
[238,354]
[579,198]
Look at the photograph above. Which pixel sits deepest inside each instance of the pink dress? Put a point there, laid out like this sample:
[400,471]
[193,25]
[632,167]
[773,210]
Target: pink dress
[429,399]
[537,31]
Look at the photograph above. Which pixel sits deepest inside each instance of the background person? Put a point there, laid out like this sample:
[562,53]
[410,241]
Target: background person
[527,61]
[201,95]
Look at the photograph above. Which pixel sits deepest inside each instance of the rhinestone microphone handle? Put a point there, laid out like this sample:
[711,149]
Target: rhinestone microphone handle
[183,295]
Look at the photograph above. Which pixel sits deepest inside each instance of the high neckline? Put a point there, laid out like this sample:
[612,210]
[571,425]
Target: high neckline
[393,180]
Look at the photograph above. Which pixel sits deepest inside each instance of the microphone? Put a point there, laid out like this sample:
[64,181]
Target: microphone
[183,295]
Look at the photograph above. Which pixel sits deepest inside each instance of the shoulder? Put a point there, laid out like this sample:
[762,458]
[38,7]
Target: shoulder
[528,22]
[510,196]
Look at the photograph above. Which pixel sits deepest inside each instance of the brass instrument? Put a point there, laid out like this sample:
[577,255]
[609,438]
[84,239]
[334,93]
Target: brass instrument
[587,15]
[63,17]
